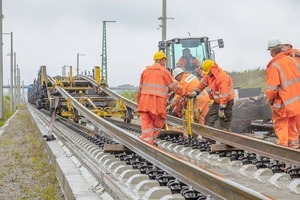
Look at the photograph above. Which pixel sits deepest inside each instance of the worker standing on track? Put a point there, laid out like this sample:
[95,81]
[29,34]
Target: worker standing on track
[220,89]
[282,92]
[187,61]
[288,49]
[155,82]
[189,83]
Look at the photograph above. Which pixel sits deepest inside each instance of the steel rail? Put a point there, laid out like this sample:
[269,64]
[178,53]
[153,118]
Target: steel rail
[189,173]
[92,81]
[77,150]
[127,102]
[111,93]
[260,147]
[52,81]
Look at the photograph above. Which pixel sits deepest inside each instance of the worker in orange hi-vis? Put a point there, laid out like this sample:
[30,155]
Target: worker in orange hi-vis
[203,100]
[189,83]
[155,82]
[220,89]
[282,93]
[288,49]
[187,61]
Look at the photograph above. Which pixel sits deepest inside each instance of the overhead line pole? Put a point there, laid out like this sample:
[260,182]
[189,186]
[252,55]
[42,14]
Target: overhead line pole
[11,72]
[23,92]
[18,85]
[104,54]
[1,64]
[11,91]
[164,20]
[15,81]
[78,54]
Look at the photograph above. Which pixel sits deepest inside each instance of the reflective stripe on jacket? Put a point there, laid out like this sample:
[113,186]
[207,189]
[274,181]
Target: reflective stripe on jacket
[155,83]
[219,86]
[283,85]
[189,82]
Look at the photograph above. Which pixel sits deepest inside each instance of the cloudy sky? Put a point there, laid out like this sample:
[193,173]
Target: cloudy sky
[52,32]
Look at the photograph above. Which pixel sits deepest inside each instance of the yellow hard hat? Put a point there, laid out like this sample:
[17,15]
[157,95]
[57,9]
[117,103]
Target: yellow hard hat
[159,55]
[207,65]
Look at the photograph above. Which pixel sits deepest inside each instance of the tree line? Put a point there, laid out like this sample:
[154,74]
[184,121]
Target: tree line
[254,78]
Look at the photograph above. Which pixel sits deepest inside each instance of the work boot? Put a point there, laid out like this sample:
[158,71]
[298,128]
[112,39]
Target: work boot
[149,140]
[50,138]
[294,144]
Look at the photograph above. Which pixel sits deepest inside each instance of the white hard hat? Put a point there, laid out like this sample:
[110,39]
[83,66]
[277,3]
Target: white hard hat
[287,42]
[273,43]
[177,71]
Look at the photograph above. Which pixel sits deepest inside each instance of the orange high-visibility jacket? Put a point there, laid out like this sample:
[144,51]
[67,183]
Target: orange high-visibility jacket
[182,62]
[219,86]
[283,85]
[189,83]
[155,83]
[294,53]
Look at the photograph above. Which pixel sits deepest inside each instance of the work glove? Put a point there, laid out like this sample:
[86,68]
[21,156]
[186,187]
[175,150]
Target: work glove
[168,108]
[172,104]
[222,113]
[191,95]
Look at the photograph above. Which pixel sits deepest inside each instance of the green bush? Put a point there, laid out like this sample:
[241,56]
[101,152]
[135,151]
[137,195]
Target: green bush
[6,110]
[128,94]
[249,78]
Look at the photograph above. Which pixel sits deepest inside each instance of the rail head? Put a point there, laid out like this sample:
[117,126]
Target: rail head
[189,173]
[260,147]
[110,92]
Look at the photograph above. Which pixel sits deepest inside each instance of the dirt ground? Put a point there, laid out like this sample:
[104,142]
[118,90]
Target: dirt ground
[25,172]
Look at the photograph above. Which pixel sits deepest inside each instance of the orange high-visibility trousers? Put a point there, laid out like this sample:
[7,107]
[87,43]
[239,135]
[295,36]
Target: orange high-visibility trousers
[286,131]
[297,119]
[151,125]
[203,106]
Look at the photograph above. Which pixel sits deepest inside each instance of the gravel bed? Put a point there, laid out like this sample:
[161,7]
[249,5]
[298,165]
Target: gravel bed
[25,171]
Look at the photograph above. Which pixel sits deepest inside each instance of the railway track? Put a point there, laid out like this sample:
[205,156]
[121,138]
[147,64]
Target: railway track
[257,146]
[205,174]
[173,168]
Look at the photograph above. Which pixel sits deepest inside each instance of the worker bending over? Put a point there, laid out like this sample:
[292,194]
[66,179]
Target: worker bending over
[220,90]
[189,83]
[282,93]
[155,82]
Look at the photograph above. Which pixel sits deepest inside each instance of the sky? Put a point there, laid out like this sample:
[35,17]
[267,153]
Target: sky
[52,32]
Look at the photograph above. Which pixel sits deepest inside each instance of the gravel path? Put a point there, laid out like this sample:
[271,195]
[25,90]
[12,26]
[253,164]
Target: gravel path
[25,172]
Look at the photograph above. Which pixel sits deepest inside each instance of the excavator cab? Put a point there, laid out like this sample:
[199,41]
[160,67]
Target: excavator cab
[199,47]
[188,49]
